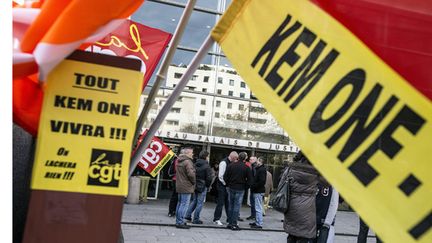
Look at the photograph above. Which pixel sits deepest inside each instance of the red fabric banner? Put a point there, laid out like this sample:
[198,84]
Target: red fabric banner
[134,40]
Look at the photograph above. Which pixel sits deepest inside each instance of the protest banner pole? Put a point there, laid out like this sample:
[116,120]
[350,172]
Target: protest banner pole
[170,102]
[161,75]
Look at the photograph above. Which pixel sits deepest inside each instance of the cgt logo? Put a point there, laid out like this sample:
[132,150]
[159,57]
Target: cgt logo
[105,168]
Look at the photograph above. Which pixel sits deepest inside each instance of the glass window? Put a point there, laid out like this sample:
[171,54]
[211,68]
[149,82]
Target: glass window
[220,80]
[231,82]
[190,88]
[204,90]
[230,93]
[206,79]
[209,4]
[229,105]
[224,62]
[182,58]
[203,101]
[194,77]
[241,107]
[150,14]
[242,84]
[197,29]
[217,114]
[242,95]
[171,122]
[219,91]
[175,110]
[202,113]
[218,103]
[178,75]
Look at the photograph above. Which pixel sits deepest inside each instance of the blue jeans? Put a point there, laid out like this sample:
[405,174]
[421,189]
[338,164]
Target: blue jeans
[196,205]
[258,199]
[235,198]
[182,207]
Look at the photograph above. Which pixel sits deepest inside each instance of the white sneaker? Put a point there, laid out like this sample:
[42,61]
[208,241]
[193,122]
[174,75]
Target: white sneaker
[218,222]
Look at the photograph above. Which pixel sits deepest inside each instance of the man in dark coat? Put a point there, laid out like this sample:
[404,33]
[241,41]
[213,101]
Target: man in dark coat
[258,189]
[238,177]
[222,198]
[204,177]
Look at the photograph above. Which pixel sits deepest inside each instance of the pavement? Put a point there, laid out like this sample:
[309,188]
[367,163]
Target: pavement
[149,222]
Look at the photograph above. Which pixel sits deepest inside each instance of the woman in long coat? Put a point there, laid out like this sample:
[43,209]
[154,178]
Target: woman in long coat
[300,219]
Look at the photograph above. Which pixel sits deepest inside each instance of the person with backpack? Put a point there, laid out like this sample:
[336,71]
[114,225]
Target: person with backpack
[204,177]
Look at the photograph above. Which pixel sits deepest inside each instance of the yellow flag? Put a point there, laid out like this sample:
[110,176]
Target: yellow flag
[360,123]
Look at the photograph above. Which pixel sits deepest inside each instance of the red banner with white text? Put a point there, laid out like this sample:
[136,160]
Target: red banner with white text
[155,157]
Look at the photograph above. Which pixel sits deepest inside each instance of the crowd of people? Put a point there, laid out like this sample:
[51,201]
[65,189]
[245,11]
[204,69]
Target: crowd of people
[313,202]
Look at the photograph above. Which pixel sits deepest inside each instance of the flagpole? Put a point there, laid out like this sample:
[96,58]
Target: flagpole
[170,101]
[161,75]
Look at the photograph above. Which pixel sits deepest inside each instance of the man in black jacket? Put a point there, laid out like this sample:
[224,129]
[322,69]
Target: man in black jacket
[204,177]
[258,189]
[238,178]
[222,198]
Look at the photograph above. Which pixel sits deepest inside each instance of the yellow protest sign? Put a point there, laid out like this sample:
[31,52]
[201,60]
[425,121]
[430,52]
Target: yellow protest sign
[362,125]
[87,125]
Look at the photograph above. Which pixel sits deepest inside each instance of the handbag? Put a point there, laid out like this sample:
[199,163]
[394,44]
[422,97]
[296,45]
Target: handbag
[281,200]
[326,234]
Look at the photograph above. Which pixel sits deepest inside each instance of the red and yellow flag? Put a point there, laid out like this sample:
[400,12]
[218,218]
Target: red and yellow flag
[350,82]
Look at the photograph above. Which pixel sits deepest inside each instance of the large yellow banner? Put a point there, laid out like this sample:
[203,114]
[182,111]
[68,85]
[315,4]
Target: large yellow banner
[361,124]
[87,125]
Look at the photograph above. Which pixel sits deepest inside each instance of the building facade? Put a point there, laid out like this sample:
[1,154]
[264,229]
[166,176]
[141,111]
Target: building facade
[216,111]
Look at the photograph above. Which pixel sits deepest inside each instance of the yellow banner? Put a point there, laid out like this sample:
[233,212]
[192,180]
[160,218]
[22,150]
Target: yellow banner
[86,128]
[360,123]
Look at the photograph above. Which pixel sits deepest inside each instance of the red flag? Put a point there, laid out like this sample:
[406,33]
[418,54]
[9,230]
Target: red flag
[134,40]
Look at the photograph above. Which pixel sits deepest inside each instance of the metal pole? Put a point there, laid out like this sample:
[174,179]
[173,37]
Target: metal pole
[161,75]
[170,101]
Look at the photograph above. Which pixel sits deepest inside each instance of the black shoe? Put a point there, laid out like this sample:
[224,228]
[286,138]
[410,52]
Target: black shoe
[240,219]
[253,223]
[229,226]
[171,214]
[188,219]
[254,226]
[197,222]
[250,218]
[182,226]
[235,228]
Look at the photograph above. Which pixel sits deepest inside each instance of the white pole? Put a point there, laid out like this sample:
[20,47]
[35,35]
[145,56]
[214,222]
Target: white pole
[161,75]
[170,101]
